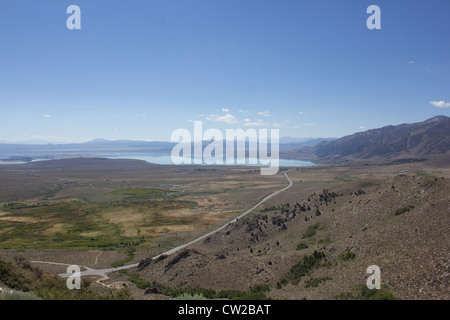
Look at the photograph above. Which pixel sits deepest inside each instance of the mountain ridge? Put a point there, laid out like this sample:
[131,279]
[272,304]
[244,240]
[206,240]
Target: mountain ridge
[426,138]
[408,140]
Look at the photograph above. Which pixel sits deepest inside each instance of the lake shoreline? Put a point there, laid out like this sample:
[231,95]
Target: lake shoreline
[162,159]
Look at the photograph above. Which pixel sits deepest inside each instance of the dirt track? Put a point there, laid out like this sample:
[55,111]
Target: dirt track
[102,272]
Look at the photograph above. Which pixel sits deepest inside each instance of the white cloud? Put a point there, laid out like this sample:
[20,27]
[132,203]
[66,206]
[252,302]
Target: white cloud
[300,112]
[309,124]
[276,125]
[411,62]
[440,104]
[228,118]
[41,136]
[362,127]
[225,110]
[46,116]
[264,113]
[258,123]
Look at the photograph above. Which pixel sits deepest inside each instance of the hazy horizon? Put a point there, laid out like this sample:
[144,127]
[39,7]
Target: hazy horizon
[283,139]
[37,142]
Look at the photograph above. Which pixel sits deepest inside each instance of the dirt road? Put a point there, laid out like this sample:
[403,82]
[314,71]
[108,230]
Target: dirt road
[103,272]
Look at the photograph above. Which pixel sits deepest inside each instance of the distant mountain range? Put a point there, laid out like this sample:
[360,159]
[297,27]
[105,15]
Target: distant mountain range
[94,147]
[98,147]
[415,140]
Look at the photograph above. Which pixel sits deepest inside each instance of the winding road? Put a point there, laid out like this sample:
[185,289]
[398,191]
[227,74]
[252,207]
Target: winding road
[103,272]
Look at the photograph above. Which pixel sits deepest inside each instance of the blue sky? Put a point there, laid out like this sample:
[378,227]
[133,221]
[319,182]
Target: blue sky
[141,69]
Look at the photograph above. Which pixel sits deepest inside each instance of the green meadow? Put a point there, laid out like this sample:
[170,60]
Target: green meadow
[134,219]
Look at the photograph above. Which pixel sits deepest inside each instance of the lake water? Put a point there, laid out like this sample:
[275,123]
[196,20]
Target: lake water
[166,159]
[152,158]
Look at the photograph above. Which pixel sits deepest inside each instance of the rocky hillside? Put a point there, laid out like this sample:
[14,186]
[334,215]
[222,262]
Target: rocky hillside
[319,246]
[416,140]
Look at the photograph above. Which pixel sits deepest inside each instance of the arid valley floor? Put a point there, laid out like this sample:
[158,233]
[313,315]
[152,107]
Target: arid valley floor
[314,240]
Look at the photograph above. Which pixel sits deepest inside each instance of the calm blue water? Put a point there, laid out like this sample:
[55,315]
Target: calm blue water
[166,159]
[152,158]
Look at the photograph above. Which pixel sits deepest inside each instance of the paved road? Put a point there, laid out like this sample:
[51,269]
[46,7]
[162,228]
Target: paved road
[103,272]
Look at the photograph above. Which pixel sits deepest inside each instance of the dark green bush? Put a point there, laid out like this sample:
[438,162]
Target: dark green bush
[303,268]
[347,255]
[311,230]
[301,246]
[259,288]
[314,282]
[363,293]
[403,210]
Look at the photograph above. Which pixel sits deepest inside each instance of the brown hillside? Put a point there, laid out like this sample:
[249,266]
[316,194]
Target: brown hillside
[421,140]
[401,225]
